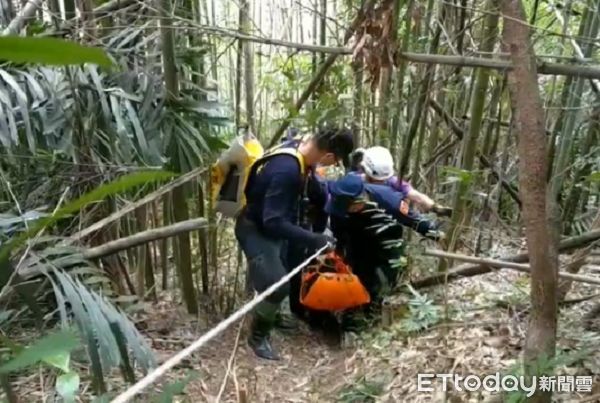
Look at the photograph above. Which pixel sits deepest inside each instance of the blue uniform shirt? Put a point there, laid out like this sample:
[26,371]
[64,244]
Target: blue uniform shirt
[273,193]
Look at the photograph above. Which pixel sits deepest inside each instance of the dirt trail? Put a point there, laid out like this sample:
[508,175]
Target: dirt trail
[310,370]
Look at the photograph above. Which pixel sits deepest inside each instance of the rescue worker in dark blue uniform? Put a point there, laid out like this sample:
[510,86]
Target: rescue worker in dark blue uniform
[312,217]
[367,221]
[267,224]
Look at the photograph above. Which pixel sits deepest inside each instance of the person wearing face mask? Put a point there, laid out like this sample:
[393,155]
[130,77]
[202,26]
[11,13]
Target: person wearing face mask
[275,190]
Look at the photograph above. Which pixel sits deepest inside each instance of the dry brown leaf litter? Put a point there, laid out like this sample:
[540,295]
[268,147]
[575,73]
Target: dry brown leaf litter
[488,316]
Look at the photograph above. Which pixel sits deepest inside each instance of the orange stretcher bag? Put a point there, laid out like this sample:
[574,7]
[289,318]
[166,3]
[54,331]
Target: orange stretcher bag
[329,285]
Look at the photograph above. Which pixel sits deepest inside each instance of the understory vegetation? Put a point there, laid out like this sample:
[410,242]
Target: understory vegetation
[112,257]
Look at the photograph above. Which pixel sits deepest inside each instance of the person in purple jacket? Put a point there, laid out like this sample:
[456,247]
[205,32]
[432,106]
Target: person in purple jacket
[376,164]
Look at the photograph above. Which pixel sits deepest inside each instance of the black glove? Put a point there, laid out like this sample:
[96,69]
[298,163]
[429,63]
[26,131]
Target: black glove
[321,240]
[435,235]
[442,211]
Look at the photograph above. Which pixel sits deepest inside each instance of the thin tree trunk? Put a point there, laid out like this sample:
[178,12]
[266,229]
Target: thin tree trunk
[239,66]
[416,180]
[21,20]
[322,28]
[317,78]
[567,137]
[400,73]
[164,243]
[385,84]
[180,206]
[357,110]
[87,18]
[541,235]
[140,215]
[145,274]
[462,196]
[421,102]
[248,69]
[202,237]
[592,138]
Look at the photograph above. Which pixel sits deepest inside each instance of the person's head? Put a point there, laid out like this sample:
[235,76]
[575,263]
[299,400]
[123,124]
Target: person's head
[328,146]
[356,159]
[378,164]
[345,195]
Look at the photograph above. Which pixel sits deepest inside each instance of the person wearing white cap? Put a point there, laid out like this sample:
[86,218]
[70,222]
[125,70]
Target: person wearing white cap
[378,166]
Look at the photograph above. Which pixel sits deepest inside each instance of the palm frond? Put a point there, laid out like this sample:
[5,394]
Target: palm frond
[82,297]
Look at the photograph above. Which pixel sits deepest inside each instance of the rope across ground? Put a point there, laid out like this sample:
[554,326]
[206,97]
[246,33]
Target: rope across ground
[154,375]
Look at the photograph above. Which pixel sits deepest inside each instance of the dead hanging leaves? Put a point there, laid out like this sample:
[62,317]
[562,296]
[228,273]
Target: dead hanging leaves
[375,42]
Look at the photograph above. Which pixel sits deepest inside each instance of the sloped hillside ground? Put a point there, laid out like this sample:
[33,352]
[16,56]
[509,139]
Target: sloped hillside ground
[473,326]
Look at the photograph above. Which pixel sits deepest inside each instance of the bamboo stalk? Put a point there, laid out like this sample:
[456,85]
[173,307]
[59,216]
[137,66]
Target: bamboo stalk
[318,77]
[492,62]
[131,207]
[475,269]
[144,237]
[27,12]
[500,264]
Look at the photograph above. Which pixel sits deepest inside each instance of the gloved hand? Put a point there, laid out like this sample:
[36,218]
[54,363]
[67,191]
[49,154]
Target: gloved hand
[436,235]
[321,240]
[441,211]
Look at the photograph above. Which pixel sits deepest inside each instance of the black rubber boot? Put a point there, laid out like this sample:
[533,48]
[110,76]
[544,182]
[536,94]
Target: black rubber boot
[260,331]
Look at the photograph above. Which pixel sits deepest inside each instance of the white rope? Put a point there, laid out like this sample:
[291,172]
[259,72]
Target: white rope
[212,333]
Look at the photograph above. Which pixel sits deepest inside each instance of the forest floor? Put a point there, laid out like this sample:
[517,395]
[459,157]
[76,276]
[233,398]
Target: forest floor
[476,326]
[471,326]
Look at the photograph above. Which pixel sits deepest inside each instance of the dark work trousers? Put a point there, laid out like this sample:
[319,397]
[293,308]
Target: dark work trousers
[295,255]
[266,258]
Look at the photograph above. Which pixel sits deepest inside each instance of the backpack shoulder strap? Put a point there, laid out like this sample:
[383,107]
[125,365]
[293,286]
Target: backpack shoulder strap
[285,150]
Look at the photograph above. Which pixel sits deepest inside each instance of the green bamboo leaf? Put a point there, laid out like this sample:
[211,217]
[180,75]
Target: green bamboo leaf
[50,51]
[60,360]
[119,185]
[67,386]
[51,345]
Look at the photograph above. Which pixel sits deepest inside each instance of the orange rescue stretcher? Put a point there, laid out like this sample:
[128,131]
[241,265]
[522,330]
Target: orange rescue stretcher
[330,285]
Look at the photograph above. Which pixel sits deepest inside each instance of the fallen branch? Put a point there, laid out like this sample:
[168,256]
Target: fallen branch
[437,154]
[127,242]
[578,260]
[523,268]
[144,237]
[132,206]
[470,270]
[543,68]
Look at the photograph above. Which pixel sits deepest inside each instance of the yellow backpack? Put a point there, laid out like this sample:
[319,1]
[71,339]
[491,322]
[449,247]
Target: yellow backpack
[230,173]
